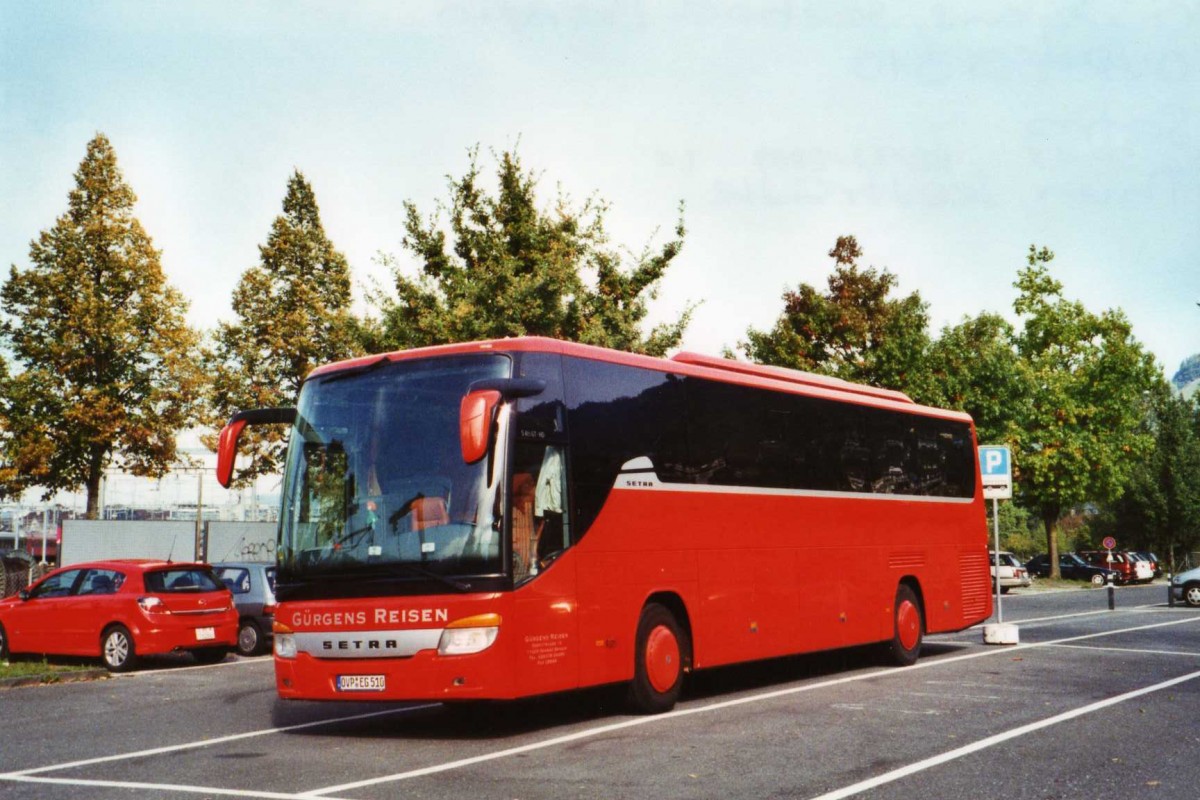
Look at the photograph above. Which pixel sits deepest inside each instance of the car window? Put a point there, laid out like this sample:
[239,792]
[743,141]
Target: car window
[183,579]
[101,581]
[270,573]
[236,578]
[56,585]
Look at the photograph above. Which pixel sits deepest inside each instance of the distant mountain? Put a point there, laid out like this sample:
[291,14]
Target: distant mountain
[1187,380]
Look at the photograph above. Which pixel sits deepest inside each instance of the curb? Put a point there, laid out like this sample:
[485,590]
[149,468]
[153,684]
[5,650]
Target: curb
[47,678]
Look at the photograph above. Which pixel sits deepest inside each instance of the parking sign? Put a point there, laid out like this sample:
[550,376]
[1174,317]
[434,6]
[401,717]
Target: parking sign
[995,470]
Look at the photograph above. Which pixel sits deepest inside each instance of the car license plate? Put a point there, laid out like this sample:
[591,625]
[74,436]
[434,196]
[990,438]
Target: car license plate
[361,683]
[205,634]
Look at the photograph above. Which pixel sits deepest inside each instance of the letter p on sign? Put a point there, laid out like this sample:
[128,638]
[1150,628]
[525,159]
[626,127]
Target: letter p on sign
[995,469]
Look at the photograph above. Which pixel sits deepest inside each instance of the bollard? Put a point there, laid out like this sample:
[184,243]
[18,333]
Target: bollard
[1170,593]
[1112,595]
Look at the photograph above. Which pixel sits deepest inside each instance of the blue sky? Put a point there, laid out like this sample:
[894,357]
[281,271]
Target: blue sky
[947,137]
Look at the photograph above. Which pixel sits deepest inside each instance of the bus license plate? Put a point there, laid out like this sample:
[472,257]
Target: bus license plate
[361,683]
[205,634]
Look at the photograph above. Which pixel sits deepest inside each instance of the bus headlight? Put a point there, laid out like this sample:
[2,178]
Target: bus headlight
[285,641]
[469,635]
[285,645]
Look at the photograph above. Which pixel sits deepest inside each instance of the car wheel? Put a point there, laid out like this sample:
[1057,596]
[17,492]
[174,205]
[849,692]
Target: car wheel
[1097,580]
[250,638]
[1191,595]
[3,644]
[117,650]
[660,653]
[210,655]
[908,628]
[1004,589]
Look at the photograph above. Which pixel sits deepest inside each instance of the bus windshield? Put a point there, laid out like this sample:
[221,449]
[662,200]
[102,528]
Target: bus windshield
[375,484]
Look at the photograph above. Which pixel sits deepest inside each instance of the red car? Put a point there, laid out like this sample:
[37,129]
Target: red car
[121,609]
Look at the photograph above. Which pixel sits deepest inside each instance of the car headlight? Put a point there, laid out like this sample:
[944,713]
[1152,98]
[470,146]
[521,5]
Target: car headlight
[469,635]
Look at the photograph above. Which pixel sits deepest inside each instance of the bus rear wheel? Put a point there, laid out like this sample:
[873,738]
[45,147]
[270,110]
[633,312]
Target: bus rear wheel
[661,648]
[908,628]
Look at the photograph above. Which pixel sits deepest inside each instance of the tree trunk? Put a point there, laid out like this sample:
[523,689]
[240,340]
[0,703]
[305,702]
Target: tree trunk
[1050,521]
[94,478]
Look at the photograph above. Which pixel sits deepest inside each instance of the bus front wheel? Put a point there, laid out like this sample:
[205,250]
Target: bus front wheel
[908,628]
[661,648]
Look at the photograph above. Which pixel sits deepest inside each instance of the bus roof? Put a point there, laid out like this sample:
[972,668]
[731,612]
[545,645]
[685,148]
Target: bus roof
[685,363]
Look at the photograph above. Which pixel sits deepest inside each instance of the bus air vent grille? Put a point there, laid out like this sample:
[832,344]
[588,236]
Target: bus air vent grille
[975,589]
[906,560]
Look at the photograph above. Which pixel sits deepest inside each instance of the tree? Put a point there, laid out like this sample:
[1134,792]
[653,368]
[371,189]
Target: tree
[509,268]
[974,367]
[292,315]
[1160,509]
[1078,437]
[853,331]
[108,368]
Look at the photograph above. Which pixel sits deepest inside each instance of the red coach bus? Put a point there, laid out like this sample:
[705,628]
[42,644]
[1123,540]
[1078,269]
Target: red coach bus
[523,516]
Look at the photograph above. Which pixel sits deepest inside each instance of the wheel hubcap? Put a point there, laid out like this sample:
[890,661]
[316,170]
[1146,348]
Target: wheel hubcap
[116,649]
[662,658]
[1193,596]
[248,640]
[908,625]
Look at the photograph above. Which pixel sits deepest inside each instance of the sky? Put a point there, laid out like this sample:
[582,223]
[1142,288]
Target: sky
[947,137]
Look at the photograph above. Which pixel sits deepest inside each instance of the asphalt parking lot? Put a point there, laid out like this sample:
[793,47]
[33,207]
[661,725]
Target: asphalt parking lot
[1092,704]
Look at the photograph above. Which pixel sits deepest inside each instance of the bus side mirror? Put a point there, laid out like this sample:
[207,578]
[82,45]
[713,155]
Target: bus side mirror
[227,444]
[475,423]
[227,451]
[477,411]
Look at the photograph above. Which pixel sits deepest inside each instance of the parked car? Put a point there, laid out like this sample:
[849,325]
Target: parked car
[120,610]
[1186,587]
[1155,564]
[1119,562]
[1130,568]
[1072,567]
[253,587]
[1012,572]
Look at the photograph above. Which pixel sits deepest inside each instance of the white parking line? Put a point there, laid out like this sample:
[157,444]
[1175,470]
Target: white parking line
[174,748]
[327,793]
[1035,620]
[152,787]
[1134,650]
[999,738]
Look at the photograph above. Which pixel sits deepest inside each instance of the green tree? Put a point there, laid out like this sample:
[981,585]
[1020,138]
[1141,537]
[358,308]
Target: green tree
[107,367]
[292,314]
[1079,436]
[855,330]
[1160,509]
[974,367]
[505,267]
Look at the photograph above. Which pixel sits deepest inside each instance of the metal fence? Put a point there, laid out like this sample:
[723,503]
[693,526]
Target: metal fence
[17,574]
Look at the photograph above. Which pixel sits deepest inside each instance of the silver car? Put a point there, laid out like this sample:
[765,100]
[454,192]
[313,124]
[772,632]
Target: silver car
[253,587]
[1012,572]
[1186,587]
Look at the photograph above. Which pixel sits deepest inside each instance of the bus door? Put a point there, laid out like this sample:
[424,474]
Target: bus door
[541,533]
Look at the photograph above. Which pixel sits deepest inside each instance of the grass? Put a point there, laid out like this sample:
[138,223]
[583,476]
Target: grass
[40,669]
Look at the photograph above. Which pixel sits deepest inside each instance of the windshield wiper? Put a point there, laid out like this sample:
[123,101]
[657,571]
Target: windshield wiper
[407,569]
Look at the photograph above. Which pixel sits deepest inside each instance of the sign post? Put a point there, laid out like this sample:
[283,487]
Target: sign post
[1110,544]
[995,471]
